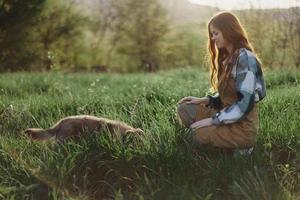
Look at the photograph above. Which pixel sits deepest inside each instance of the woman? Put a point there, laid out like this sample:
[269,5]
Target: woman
[229,119]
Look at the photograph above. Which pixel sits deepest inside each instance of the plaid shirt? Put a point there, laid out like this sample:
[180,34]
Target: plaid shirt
[250,86]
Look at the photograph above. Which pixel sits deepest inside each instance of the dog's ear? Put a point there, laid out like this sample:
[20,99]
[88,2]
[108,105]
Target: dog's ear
[127,132]
[137,131]
[133,136]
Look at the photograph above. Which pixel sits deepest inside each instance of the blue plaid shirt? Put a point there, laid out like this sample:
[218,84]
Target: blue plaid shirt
[250,86]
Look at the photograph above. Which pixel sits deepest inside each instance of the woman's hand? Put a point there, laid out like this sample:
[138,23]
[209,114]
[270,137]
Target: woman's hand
[194,100]
[201,123]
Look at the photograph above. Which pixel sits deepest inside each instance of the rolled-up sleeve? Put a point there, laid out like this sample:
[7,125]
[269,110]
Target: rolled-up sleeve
[245,82]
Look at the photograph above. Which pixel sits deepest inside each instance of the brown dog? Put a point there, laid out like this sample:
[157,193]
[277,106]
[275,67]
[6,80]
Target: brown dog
[75,125]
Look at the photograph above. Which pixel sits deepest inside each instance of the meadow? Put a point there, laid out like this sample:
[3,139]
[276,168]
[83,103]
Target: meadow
[162,164]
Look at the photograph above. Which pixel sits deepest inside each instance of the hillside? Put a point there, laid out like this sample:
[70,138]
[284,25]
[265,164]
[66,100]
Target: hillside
[182,11]
[179,11]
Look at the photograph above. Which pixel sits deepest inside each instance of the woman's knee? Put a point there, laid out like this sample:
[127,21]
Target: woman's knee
[184,114]
[200,136]
[181,108]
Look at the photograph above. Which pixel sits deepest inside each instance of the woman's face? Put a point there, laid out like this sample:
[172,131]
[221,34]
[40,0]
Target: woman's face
[217,37]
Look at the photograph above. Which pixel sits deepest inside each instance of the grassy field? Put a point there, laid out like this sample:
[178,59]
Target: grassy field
[160,165]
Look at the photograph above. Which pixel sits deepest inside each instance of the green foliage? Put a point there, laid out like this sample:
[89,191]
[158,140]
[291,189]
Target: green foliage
[131,35]
[14,13]
[162,164]
[57,32]
[15,18]
[142,33]
[44,40]
[185,46]
[276,41]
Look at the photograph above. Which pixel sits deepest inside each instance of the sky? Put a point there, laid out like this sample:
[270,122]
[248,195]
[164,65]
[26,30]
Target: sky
[246,4]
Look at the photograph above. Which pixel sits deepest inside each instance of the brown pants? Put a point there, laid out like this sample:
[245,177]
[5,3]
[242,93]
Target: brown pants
[236,135]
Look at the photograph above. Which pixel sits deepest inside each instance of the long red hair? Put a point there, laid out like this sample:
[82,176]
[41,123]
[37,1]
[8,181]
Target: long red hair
[234,33]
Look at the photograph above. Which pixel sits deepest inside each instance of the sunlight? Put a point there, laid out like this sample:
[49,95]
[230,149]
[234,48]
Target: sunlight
[246,4]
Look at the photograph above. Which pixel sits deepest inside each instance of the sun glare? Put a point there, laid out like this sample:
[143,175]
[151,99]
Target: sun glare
[246,4]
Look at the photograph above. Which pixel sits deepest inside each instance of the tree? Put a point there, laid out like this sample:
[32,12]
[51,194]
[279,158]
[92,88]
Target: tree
[295,35]
[56,31]
[17,12]
[141,32]
[106,21]
[14,20]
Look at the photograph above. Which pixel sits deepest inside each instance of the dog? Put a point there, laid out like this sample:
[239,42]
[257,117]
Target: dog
[74,126]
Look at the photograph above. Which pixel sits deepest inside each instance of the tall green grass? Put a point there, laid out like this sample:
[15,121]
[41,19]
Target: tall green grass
[162,164]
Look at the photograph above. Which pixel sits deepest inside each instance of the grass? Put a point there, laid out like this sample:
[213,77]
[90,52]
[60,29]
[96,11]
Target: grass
[160,165]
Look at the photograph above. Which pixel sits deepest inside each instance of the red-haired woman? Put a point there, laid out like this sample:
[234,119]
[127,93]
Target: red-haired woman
[229,119]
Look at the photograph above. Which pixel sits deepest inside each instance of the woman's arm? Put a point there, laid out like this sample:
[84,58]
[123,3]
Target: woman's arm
[245,82]
[202,123]
[194,100]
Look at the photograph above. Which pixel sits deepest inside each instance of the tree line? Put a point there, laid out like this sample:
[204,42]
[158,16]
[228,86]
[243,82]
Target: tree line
[126,36]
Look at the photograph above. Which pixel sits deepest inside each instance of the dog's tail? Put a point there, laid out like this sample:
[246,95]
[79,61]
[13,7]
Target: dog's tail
[38,134]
